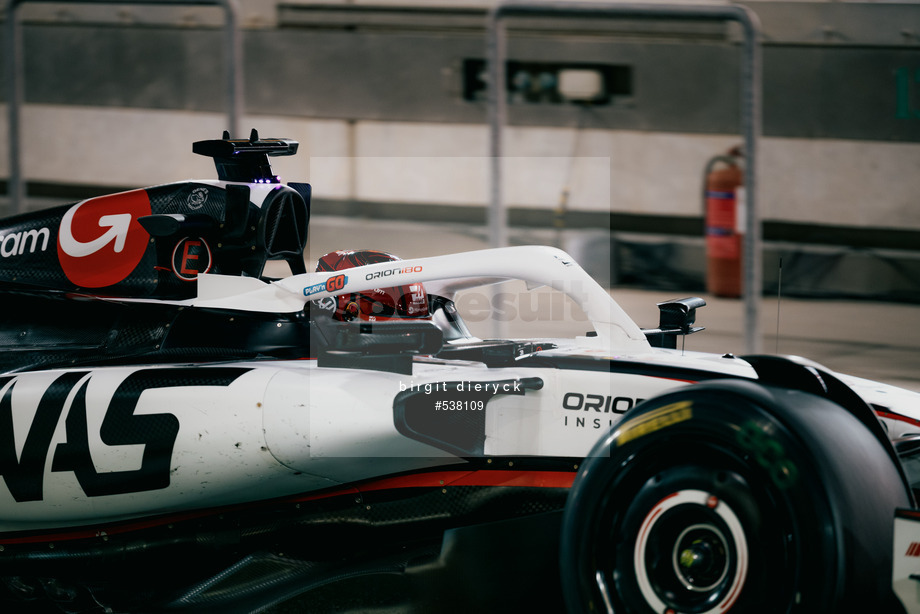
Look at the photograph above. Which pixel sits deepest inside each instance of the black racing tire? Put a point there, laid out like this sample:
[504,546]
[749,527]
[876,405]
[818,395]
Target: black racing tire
[733,496]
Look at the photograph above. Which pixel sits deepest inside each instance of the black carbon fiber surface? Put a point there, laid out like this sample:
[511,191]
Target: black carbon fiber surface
[193,563]
[104,245]
[56,330]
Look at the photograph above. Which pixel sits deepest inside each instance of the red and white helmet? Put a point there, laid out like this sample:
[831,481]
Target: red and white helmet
[408,301]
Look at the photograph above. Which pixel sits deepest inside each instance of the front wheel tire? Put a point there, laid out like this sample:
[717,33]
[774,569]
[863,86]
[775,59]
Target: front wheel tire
[733,496]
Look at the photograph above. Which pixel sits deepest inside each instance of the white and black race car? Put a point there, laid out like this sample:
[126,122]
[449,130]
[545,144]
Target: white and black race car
[179,432]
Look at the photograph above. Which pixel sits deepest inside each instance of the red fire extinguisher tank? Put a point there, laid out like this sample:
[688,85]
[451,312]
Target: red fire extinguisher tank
[723,194]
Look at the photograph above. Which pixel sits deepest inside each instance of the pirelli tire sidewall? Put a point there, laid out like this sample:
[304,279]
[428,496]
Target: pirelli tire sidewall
[783,498]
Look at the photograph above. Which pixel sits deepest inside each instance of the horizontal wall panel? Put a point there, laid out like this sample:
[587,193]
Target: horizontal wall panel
[677,85]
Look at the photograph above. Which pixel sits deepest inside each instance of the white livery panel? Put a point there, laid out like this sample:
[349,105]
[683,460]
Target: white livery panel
[90,445]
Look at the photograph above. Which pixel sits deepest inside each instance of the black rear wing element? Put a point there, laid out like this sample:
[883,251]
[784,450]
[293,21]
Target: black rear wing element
[245,161]
[675,318]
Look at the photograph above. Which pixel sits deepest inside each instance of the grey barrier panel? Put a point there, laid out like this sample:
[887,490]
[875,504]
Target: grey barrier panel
[14,75]
[751,120]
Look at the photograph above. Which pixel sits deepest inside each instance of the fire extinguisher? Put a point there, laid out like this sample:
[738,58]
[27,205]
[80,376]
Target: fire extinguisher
[723,199]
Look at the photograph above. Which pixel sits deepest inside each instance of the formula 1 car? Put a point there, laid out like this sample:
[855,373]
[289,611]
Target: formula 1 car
[181,432]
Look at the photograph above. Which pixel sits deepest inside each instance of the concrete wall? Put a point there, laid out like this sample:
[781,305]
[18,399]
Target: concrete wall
[115,95]
[816,181]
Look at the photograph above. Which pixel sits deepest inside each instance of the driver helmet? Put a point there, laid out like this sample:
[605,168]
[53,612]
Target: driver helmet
[409,301]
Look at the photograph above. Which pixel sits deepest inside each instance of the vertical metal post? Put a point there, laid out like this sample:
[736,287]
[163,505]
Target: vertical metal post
[751,125]
[14,74]
[233,35]
[497,215]
[12,51]
[751,94]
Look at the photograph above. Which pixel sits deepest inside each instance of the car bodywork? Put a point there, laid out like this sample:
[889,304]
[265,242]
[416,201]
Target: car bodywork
[166,407]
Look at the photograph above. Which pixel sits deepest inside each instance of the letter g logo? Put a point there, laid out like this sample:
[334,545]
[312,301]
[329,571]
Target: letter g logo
[100,241]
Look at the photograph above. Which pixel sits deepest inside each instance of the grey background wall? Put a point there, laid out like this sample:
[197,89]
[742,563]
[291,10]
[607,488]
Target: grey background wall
[387,102]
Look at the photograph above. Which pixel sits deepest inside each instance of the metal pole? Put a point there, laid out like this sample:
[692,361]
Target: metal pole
[751,97]
[751,94]
[234,54]
[12,50]
[498,216]
[14,75]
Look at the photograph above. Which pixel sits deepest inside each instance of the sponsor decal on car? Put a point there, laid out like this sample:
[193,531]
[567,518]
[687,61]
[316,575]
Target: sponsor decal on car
[197,198]
[598,402]
[16,243]
[100,241]
[190,258]
[64,405]
[391,272]
[655,421]
[333,284]
[595,403]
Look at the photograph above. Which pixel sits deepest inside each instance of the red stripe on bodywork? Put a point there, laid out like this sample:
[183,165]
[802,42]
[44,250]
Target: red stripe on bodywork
[481,477]
[434,479]
[893,416]
[532,479]
[903,512]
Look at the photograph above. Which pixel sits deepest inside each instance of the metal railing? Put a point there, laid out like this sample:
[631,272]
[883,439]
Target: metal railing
[751,95]
[12,53]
